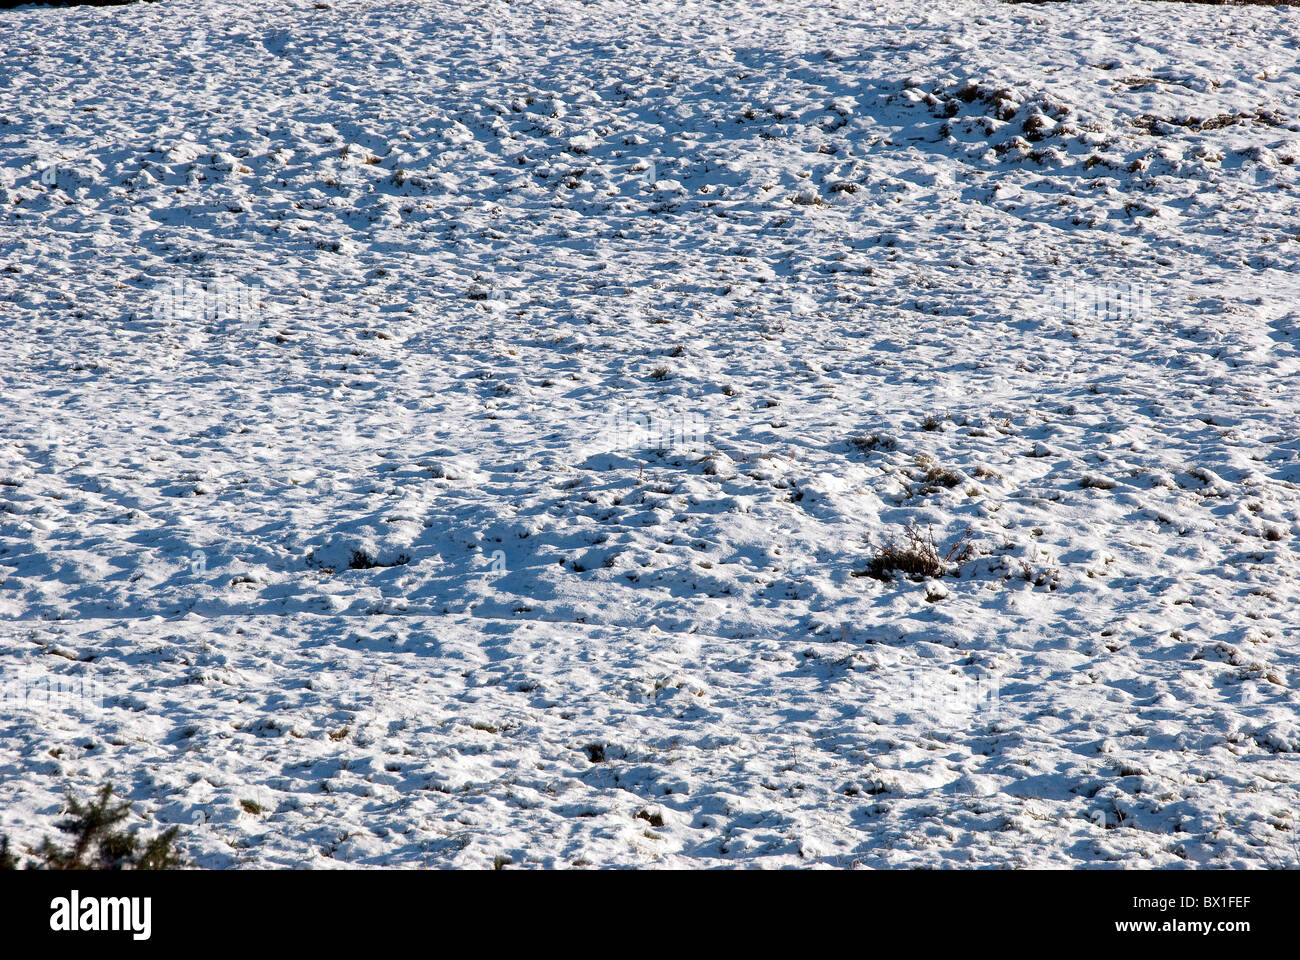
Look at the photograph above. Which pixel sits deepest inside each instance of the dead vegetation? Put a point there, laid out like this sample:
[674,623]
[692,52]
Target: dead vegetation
[917,555]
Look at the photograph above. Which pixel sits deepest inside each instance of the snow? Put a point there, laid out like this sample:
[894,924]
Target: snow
[452,434]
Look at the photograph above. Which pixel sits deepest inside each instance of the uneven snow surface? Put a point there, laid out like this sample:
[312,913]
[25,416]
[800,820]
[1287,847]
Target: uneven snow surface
[447,434]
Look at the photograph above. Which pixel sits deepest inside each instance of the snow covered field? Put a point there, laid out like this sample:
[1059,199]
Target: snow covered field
[458,434]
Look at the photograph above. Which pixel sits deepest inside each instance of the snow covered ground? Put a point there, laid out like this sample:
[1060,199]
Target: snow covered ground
[455,434]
